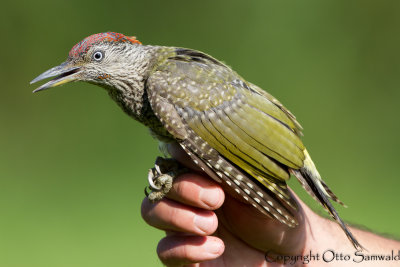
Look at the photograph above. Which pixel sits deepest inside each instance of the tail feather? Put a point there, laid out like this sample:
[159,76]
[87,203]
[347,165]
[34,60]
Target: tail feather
[332,195]
[313,184]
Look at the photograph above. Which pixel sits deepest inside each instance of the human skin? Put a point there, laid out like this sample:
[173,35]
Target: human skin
[206,227]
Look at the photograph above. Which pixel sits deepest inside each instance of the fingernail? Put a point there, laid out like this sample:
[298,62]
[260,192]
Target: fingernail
[214,247]
[210,197]
[203,223]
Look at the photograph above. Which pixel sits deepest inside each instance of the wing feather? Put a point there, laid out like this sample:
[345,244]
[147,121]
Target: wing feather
[239,183]
[230,127]
[203,127]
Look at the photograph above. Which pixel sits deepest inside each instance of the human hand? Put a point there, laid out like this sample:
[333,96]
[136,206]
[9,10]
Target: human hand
[205,225]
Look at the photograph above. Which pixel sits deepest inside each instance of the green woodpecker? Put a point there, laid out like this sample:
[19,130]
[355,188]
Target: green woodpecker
[240,135]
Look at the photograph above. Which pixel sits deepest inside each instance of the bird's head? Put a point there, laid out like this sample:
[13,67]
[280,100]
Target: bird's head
[100,58]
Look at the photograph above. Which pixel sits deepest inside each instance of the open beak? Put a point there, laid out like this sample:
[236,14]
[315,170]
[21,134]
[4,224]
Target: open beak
[64,73]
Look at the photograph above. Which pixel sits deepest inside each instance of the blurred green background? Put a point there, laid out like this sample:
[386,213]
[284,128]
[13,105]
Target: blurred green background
[73,166]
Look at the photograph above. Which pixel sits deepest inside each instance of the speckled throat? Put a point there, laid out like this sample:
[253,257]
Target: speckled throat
[129,91]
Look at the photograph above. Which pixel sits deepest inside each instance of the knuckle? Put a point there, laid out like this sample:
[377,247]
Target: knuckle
[176,217]
[187,253]
[144,210]
[173,251]
[186,189]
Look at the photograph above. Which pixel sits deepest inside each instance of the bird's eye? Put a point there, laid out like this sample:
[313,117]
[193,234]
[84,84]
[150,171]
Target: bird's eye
[98,55]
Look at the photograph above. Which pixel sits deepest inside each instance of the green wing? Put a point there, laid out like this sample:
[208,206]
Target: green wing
[227,123]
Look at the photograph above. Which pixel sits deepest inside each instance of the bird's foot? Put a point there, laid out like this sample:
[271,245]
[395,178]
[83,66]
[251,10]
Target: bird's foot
[161,177]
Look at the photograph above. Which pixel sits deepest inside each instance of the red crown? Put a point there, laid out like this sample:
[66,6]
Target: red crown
[84,45]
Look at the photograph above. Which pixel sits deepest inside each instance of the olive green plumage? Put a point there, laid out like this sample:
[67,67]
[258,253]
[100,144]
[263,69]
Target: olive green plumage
[237,133]
[238,130]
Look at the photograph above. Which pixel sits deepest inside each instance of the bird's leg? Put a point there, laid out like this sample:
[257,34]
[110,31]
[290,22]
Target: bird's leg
[161,177]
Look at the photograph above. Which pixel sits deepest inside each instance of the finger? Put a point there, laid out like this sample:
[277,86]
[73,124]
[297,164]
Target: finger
[177,250]
[198,191]
[171,215]
[247,223]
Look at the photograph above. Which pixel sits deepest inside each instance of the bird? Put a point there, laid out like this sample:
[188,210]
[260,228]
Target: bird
[236,132]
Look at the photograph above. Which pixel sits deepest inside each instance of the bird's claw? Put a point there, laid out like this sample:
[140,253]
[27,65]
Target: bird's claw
[153,172]
[161,176]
